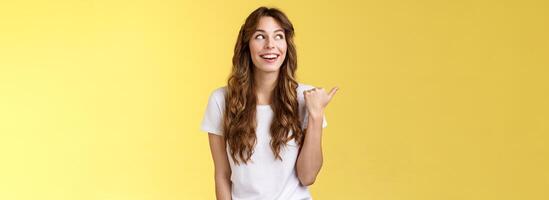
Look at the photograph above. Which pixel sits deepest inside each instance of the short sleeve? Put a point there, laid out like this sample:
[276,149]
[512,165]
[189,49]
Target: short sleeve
[213,116]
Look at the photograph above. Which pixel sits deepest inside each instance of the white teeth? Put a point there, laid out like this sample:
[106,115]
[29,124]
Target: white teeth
[269,56]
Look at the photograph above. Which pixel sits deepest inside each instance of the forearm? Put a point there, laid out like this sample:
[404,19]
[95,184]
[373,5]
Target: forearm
[223,187]
[309,161]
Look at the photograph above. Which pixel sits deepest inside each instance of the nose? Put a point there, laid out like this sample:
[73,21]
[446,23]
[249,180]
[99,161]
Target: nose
[269,43]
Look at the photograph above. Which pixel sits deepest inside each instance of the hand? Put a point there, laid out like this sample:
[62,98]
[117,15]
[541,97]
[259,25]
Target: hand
[317,99]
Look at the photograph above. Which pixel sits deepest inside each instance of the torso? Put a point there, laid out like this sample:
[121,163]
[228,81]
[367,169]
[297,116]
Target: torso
[265,177]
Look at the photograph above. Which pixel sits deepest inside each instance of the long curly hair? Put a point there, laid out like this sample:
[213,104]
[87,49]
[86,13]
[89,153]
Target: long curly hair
[240,114]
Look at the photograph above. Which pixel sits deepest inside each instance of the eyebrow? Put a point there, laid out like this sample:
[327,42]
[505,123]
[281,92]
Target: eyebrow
[261,30]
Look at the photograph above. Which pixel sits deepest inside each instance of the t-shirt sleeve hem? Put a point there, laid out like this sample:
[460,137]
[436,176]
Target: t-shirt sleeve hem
[209,129]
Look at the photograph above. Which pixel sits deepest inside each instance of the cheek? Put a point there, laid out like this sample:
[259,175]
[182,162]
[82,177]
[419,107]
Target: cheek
[255,47]
[283,48]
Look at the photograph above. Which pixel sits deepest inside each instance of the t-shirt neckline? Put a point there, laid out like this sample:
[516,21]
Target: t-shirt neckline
[263,106]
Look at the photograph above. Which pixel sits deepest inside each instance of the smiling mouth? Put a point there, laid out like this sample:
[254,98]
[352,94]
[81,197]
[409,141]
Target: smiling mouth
[269,56]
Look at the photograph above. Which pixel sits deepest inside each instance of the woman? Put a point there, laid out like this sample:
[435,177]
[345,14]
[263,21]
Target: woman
[264,127]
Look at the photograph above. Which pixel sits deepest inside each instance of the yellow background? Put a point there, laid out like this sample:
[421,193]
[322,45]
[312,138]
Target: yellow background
[102,100]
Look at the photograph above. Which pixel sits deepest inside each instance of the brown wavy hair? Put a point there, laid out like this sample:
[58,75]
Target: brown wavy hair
[239,121]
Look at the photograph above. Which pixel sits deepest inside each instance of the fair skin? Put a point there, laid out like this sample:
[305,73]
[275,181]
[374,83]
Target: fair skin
[268,50]
[222,172]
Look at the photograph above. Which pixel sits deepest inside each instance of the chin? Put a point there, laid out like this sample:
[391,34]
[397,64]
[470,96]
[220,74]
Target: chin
[269,68]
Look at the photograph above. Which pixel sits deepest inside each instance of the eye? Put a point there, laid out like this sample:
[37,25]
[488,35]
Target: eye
[259,36]
[279,36]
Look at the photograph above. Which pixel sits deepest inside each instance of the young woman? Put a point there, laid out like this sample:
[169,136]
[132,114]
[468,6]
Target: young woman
[264,127]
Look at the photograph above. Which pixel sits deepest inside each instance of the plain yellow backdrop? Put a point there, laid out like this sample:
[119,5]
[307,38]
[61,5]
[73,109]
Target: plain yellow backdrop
[102,100]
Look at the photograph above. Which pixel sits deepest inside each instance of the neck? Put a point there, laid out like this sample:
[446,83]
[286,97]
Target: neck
[265,82]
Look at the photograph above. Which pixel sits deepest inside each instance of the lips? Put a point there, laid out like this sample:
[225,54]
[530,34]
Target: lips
[269,57]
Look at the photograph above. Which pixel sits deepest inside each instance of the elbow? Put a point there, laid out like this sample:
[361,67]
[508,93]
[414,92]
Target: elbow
[222,175]
[306,180]
[306,176]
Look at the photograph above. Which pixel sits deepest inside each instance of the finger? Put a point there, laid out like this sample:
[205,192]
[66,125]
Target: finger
[332,92]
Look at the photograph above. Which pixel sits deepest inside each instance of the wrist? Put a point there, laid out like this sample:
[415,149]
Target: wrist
[316,116]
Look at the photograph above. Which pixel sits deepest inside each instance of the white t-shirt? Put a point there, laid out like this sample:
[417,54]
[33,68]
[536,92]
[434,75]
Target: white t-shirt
[264,177]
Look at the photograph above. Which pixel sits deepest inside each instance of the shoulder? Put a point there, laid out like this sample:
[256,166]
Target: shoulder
[219,93]
[217,97]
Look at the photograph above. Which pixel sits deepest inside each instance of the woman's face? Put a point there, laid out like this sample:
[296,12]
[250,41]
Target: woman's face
[268,45]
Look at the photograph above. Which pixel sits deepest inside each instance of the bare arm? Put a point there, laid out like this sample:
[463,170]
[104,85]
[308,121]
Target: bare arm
[222,168]
[309,160]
